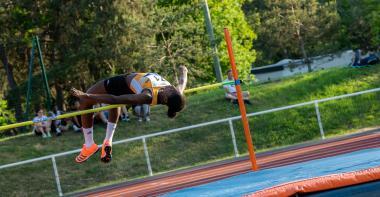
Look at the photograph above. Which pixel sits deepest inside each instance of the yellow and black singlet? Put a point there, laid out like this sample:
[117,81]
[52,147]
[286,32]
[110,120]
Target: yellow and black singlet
[119,85]
[150,81]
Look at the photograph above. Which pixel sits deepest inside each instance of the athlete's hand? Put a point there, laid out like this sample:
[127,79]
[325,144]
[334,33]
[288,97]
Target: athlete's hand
[182,78]
[77,93]
[183,69]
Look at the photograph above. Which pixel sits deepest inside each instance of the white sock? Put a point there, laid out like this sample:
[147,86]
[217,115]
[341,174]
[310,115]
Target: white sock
[110,131]
[88,136]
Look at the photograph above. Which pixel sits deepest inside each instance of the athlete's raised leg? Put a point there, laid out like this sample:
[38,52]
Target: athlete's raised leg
[89,147]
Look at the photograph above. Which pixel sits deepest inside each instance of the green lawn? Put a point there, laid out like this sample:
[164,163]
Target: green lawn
[201,145]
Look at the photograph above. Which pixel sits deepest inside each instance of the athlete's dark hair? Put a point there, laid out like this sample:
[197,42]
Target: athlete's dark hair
[176,101]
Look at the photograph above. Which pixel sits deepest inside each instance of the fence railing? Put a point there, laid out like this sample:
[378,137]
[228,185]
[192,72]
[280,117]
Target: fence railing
[229,120]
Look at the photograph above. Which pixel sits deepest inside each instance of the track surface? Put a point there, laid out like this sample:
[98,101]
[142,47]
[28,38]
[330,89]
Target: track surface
[173,181]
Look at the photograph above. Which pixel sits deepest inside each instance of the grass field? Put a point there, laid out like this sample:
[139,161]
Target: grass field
[201,145]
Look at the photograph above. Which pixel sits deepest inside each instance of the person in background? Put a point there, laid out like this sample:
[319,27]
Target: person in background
[124,116]
[365,57]
[101,116]
[372,57]
[76,120]
[57,125]
[142,112]
[42,127]
[230,90]
[356,58]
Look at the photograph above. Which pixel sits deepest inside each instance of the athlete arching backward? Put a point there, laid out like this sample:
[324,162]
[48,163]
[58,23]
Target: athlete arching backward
[133,89]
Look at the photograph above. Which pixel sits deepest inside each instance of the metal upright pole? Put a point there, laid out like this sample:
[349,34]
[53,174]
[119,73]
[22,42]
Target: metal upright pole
[147,157]
[319,120]
[47,89]
[217,69]
[56,175]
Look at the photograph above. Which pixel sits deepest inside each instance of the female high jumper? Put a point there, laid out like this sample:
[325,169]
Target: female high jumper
[129,89]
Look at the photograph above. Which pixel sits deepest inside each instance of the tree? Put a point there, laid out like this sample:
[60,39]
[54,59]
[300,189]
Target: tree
[185,26]
[293,29]
[361,21]
[229,14]
[19,26]
[180,39]
[11,81]
[86,40]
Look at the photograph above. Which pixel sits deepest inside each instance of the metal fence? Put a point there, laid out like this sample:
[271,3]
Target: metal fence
[229,120]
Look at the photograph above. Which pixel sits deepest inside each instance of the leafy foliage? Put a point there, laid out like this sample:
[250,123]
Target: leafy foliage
[228,14]
[204,144]
[6,116]
[293,29]
[361,20]
[87,40]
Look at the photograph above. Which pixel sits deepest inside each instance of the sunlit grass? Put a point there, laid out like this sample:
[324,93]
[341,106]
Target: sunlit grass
[205,144]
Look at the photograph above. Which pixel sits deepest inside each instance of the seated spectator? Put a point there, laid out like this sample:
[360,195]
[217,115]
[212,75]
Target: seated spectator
[42,127]
[142,112]
[361,58]
[58,125]
[76,120]
[371,58]
[124,113]
[101,116]
[230,90]
[356,58]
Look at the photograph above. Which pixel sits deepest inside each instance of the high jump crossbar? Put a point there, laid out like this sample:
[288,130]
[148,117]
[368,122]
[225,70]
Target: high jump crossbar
[68,115]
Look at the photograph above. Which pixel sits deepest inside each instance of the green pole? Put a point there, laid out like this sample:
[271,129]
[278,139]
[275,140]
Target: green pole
[47,89]
[210,31]
[30,77]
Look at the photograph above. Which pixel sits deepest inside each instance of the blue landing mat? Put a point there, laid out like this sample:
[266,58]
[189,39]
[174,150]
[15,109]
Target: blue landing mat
[254,181]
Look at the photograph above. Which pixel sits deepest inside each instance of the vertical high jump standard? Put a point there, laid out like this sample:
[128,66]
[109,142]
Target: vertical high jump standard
[244,119]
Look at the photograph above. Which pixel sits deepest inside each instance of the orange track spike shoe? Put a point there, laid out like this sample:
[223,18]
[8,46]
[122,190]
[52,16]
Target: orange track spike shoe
[106,155]
[86,153]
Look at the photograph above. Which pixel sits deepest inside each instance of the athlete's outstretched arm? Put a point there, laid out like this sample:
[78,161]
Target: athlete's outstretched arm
[143,98]
[182,79]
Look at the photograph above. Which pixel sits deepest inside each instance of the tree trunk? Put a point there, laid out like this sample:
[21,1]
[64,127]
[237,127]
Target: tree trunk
[297,25]
[12,83]
[304,54]
[59,97]
[170,57]
[55,34]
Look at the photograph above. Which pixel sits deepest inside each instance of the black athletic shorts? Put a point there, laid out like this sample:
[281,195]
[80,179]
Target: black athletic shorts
[117,85]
